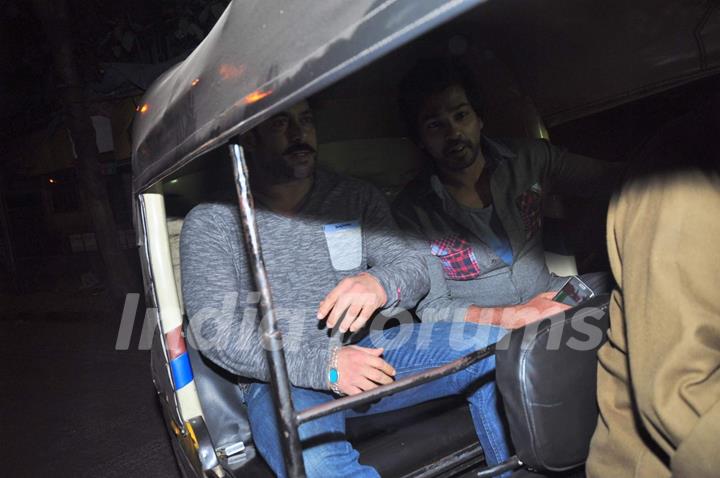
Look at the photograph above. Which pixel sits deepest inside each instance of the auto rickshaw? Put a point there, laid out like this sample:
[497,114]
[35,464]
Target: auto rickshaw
[542,63]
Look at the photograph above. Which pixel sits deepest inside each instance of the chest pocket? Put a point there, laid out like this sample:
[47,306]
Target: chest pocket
[344,242]
[529,205]
[457,258]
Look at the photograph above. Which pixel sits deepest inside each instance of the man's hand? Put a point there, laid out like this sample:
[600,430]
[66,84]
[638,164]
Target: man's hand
[361,368]
[514,317]
[357,297]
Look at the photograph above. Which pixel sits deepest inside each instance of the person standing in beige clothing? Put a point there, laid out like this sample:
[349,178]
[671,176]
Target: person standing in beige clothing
[659,372]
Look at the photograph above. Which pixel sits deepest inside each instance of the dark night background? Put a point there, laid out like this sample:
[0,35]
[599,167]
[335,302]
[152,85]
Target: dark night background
[74,72]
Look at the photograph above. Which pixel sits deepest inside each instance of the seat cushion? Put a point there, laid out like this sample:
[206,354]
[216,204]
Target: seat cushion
[223,407]
[546,374]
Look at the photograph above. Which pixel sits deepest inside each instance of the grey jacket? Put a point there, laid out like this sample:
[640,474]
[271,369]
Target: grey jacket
[344,227]
[523,172]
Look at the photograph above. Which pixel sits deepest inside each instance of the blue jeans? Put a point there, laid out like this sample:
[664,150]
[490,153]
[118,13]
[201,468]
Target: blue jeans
[409,349]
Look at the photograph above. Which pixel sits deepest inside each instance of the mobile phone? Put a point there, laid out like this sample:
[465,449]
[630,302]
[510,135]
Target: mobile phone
[573,292]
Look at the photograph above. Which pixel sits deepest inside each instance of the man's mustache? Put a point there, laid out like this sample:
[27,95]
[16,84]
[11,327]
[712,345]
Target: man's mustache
[299,148]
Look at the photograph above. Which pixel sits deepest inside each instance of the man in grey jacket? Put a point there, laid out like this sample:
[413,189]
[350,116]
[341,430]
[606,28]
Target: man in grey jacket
[478,214]
[334,257]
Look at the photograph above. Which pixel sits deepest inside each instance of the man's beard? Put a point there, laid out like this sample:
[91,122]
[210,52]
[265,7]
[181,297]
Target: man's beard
[462,159]
[296,162]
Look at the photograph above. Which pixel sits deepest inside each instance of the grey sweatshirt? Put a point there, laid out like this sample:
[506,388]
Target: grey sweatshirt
[523,172]
[343,228]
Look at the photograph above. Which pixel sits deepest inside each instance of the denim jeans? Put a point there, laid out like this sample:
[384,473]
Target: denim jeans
[409,348]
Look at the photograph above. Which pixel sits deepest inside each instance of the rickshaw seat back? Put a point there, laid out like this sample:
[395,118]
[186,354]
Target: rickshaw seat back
[226,416]
[547,377]
[218,390]
[174,226]
[387,163]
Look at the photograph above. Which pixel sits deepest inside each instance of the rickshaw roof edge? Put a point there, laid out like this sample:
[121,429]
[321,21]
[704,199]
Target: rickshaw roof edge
[257,60]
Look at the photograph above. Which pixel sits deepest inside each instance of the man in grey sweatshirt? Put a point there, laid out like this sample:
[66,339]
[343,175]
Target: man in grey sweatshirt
[334,257]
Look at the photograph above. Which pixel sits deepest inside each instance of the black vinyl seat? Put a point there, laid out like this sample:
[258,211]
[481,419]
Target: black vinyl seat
[546,374]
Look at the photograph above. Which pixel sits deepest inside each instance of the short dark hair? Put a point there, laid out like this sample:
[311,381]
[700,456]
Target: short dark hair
[428,77]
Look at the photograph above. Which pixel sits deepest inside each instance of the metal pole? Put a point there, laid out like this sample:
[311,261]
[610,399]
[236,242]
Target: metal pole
[272,339]
[392,388]
[511,464]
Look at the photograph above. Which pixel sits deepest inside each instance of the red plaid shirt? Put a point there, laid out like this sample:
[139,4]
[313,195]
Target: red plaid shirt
[457,257]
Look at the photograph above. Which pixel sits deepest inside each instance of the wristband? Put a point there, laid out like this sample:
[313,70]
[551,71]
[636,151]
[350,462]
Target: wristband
[333,375]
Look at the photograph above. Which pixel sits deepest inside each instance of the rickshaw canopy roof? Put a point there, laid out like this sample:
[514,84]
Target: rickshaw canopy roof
[572,57]
[260,56]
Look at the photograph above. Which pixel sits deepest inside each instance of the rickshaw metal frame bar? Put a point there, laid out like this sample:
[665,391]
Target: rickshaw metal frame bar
[510,464]
[271,336]
[151,291]
[415,380]
[158,275]
[451,465]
